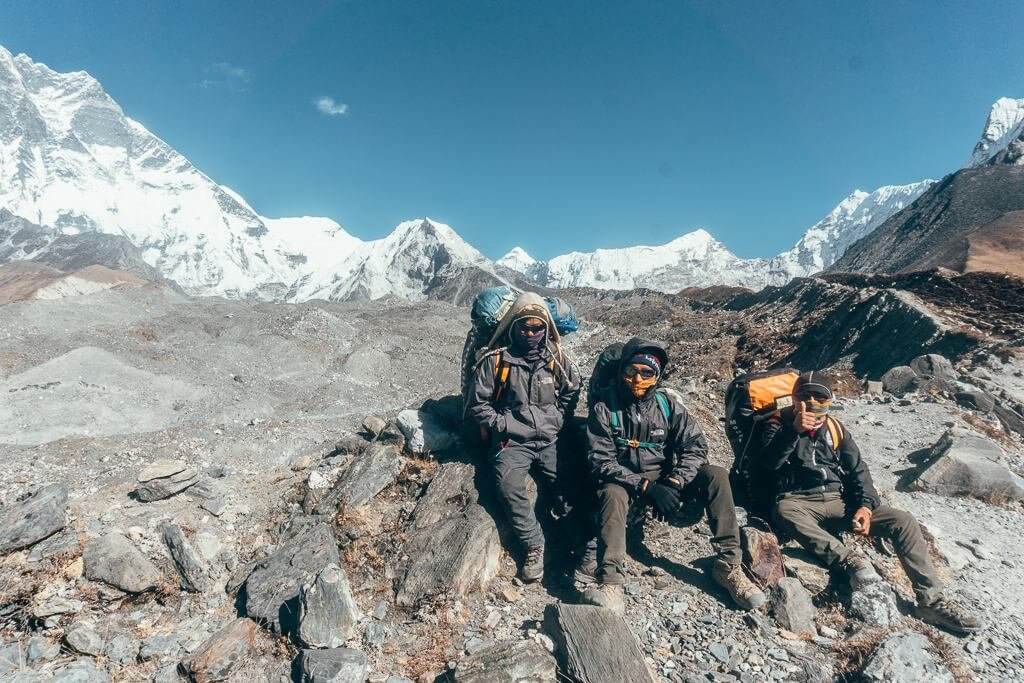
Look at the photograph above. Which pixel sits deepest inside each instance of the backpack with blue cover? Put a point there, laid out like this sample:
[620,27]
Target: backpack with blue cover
[489,307]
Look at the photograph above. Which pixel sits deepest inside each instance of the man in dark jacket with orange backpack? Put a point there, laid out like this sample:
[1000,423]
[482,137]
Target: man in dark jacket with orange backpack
[645,448]
[820,476]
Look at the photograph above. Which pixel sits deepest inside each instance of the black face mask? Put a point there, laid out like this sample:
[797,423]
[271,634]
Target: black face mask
[529,346]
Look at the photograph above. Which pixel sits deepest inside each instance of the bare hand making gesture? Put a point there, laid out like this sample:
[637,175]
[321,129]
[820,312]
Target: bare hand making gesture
[804,420]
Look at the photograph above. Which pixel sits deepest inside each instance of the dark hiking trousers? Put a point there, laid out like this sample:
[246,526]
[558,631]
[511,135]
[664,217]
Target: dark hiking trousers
[803,514]
[512,465]
[710,488]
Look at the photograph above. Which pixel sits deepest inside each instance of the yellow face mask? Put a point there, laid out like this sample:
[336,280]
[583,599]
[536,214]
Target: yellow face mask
[640,378]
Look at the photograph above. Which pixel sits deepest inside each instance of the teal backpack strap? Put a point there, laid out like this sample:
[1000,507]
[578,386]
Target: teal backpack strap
[663,402]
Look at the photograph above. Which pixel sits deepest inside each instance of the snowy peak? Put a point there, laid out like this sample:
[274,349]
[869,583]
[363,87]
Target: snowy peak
[517,259]
[1002,141]
[852,219]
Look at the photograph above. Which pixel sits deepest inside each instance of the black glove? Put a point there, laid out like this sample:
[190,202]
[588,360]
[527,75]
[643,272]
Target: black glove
[665,499]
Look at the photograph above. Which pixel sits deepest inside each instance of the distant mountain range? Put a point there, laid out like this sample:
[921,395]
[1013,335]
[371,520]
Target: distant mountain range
[80,180]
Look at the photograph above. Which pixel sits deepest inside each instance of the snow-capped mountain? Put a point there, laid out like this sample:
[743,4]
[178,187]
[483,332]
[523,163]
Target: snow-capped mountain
[1002,141]
[698,259]
[70,159]
[853,218]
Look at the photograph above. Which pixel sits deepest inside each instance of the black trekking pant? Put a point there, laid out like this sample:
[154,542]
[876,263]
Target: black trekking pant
[710,488]
[512,465]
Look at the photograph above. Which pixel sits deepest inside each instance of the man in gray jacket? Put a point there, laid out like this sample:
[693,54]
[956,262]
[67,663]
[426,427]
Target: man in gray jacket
[645,448]
[520,398]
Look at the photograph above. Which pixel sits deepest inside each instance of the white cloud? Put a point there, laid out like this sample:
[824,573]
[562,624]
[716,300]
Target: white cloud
[226,75]
[327,106]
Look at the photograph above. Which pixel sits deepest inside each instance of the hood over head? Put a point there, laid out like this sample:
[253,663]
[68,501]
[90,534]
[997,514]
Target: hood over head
[527,305]
[638,345]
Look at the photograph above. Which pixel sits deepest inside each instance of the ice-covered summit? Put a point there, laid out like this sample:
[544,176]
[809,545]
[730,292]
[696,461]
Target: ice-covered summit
[1002,141]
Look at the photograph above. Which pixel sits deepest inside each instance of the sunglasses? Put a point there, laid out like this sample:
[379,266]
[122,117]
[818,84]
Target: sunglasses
[645,373]
[532,329]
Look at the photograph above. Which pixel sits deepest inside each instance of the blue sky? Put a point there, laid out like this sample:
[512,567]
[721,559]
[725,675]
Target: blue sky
[556,125]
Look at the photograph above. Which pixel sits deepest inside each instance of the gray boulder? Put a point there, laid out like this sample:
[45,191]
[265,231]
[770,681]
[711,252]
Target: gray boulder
[65,541]
[165,478]
[40,649]
[792,607]
[29,521]
[192,570]
[595,645]
[454,546]
[963,463]
[424,432]
[113,560]
[516,661]
[806,569]
[160,646]
[363,478]
[340,665]
[272,588]
[221,652]
[934,367]
[11,658]
[901,380]
[976,399]
[81,671]
[122,649]
[905,657]
[327,612]
[875,605]
[82,638]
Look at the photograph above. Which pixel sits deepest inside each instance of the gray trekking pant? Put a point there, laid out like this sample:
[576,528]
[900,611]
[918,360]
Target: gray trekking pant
[802,514]
[512,465]
[710,488]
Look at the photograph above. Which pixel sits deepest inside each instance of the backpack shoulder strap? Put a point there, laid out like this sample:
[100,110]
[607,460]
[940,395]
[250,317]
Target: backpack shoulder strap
[501,372]
[664,404]
[835,430]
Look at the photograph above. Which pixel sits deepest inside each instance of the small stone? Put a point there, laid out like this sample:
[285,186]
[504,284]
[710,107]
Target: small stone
[720,652]
[84,639]
[122,649]
[221,652]
[56,605]
[327,611]
[215,506]
[112,559]
[340,665]
[160,646]
[193,572]
[374,426]
[39,516]
[510,594]
[792,607]
[163,479]
[40,649]
[905,657]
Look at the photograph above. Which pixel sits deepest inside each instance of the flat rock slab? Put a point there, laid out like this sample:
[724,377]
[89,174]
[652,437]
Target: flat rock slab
[792,607]
[454,547]
[367,475]
[339,665]
[163,479]
[272,588]
[82,671]
[905,657]
[806,569]
[83,638]
[515,661]
[192,570]
[963,463]
[762,555]
[327,612]
[113,560]
[595,645]
[221,652]
[29,521]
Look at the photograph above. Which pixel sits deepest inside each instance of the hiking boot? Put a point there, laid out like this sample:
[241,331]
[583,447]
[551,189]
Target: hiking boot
[860,570]
[607,595]
[742,590]
[949,617]
[533,566]
[586,571]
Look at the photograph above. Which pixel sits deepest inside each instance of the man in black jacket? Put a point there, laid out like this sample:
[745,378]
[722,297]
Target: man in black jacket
[820,476]
[520,398]
[644,447]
